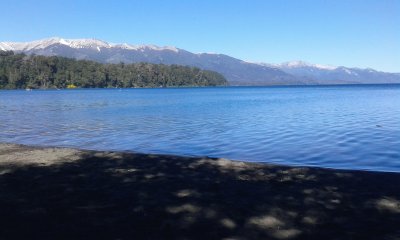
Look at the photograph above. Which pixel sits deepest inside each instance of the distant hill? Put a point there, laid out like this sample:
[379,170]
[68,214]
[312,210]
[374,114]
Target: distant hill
[236,71]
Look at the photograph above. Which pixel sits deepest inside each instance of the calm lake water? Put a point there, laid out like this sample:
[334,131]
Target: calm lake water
[347,127]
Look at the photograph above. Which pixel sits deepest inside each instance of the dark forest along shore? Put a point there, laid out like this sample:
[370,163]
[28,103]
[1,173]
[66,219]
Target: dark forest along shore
[344,127]
[20,71]
[60,193]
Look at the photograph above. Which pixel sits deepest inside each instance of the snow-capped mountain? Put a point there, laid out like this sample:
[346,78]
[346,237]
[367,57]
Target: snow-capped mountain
[302,64]
[236,71]
[336,75]
[76,44]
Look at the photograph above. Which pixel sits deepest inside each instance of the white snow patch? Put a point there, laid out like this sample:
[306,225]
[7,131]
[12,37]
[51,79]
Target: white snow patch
[157,48]
[296,64]
[347,71]
[5,47]
[78,43]
[302,64]
[326,67]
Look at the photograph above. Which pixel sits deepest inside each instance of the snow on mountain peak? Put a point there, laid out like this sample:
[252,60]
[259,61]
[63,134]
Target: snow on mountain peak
[5,47]
[144,47]
[76,43]
[300,64]
[86,43]
[39,44]
[326,67]
[297,64]
[157,48]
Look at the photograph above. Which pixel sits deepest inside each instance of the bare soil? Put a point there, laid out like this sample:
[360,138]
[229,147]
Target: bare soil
[59,193]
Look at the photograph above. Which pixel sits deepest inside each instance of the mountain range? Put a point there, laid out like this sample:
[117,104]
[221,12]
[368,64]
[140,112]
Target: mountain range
[236,71]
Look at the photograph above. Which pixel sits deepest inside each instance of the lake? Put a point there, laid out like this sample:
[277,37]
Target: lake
[344,127]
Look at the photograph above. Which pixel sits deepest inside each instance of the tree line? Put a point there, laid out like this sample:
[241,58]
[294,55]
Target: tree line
[20,71]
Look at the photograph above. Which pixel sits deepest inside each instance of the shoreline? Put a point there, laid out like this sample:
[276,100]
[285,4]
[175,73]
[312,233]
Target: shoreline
[64,193]
[219,86]
[168,155]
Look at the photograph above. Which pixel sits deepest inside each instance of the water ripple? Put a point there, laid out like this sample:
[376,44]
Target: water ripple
[349,127]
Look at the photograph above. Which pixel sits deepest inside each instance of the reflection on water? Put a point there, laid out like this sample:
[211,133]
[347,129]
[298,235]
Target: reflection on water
[352,127]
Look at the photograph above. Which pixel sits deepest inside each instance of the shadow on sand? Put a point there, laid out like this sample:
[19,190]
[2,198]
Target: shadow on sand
[101,195]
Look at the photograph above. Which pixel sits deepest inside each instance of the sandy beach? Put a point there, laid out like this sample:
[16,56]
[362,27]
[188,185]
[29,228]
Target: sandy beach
[60,193]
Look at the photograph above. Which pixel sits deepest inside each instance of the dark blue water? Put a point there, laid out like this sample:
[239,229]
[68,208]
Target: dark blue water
[349,127]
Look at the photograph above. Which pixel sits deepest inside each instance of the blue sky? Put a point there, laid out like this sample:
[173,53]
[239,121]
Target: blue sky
[353,33]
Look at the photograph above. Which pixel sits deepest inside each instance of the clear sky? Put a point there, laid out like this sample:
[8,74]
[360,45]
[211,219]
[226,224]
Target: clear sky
[353,33]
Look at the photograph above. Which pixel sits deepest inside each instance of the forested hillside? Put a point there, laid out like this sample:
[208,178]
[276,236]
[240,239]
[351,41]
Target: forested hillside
[22,71]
